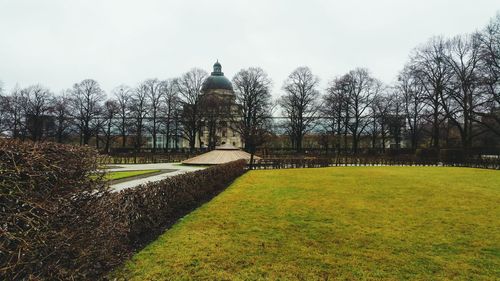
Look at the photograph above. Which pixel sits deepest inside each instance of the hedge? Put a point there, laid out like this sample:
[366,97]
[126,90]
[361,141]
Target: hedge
[58,221]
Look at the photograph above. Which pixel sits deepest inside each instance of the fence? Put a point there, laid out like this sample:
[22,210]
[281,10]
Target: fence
[145,158]
[301,161]
[405,160]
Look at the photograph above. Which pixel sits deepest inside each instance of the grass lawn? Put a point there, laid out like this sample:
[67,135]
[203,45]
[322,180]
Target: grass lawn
[348,223]
[127,174]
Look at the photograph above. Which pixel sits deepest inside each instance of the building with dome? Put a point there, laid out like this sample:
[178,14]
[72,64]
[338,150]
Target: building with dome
[217,82]
[218,111]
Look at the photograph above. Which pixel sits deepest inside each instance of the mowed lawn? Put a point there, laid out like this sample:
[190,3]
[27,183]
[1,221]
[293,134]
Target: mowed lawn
[347,223]
[118,175]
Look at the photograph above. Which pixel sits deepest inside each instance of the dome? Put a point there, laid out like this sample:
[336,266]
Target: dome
[217,80]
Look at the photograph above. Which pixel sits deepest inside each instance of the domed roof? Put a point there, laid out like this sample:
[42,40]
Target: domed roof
[217,80]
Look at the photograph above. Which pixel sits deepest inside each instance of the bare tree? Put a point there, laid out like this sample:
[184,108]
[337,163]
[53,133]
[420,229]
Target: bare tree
[170,110]
[111,108]
[13,108]
[361,89]
[36,109]
[253,98]
[429,65]
[139,109]
[86,100]
[300,104]
[413,95]
[189,87]
[378,124]
[463,97]
[155,100]
[489,114]
[123,94]
[396,119]
[62,117]
[332,110]
[336,109]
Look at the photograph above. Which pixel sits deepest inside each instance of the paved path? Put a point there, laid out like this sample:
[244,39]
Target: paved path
[178,169]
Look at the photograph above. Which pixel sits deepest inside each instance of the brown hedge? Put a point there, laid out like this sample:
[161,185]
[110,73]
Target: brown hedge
[59,222]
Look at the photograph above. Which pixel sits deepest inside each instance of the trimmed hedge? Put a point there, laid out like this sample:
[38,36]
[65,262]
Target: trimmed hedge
[58,221]
[42,187]
[145,211]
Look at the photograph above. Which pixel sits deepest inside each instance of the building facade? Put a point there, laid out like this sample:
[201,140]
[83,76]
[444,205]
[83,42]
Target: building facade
[219,111]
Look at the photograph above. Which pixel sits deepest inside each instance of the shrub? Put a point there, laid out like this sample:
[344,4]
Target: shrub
[58,222]
[41,186]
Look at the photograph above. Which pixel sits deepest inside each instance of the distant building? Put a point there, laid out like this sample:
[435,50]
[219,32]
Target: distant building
[219,110]
[218,87]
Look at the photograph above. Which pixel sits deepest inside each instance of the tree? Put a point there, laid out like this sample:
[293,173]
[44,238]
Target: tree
[61,113]
[123,95]
[86,100]
[139,109]
[253,99]
[13,108]
[36,109]
[333,110]
[379,116]
[413,94]
[361,89]
[428,63]
[396,118]
[189,88]
[170,110]
[463,97]
[489,113]
[111,108]
[154,92]
[299,104]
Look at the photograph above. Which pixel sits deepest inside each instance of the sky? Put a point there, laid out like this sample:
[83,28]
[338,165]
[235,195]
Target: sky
[60,42]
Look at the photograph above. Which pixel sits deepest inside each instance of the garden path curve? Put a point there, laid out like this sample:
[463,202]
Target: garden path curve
[176,167]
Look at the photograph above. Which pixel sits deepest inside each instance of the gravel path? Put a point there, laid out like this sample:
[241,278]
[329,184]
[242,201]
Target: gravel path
[176,167]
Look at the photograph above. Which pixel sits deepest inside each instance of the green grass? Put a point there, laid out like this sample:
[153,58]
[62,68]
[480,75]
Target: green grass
[127,174]
[349,223]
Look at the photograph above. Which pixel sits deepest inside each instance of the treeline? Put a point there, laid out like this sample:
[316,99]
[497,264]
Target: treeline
[173,108]
[447,95]
[448,86]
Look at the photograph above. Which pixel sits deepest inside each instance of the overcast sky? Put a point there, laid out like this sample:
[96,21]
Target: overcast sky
[60,42]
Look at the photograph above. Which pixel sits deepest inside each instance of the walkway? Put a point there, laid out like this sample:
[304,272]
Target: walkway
[176,167]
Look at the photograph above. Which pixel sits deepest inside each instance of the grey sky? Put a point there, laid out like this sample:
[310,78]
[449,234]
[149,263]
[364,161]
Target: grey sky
[58,43]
